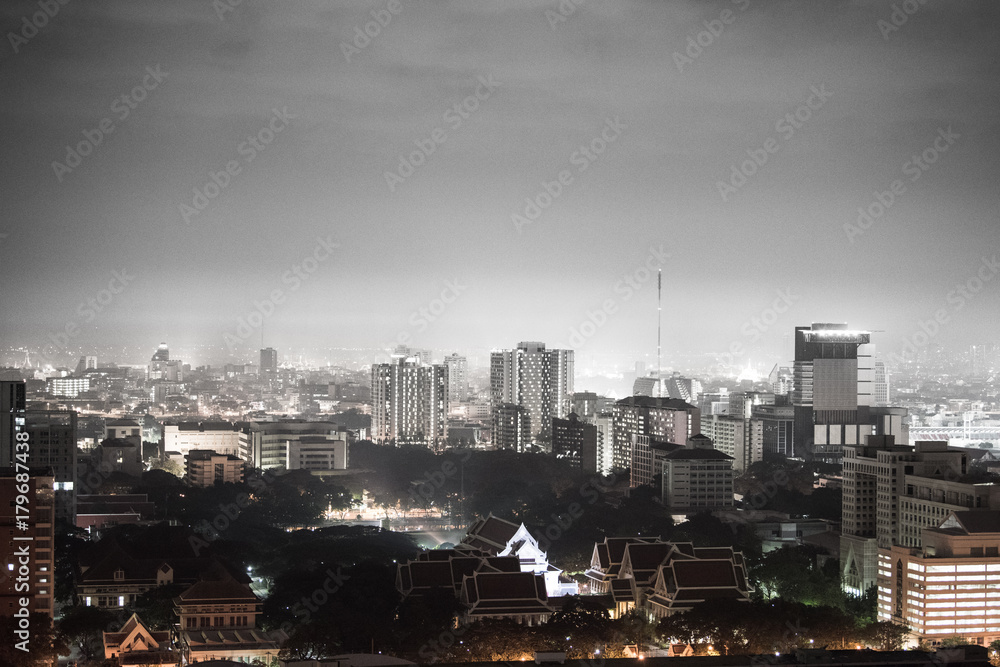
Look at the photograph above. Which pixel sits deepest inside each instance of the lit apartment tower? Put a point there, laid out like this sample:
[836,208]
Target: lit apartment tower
[410,402]
[511,427]
[892,492]
[458,380]
[829,385]
[605,423]
[39,534]
[979,359]
[584,404]
[739,438]
[576,441]
[946,588]
[52,435]
[776,426]
[12,402]
[268,361]
[880,384]
[539,380]
[637,419]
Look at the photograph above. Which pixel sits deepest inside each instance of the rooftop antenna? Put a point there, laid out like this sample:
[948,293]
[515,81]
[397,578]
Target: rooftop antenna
[659,330]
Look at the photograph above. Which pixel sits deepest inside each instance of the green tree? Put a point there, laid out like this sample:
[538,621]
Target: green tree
[885,635]
[84,626]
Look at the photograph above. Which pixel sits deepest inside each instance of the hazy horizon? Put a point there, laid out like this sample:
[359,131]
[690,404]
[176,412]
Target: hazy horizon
[295,120]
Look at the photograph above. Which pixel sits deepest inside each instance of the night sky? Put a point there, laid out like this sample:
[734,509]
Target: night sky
[635,115]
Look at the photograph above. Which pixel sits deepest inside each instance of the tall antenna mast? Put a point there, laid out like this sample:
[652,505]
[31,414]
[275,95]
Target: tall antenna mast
[659,330]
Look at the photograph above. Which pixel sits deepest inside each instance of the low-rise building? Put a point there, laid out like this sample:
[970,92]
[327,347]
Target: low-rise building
[498,537]
[697,478]
[136,644]
[221,437]
[204,467]
[218,621]
[665,578]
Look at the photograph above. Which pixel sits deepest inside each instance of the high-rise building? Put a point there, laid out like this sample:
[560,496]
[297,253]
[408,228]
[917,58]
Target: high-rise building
[576,441]
[36,538]
[832,379]
[780,379]
[458,381]
[268,361]
[892,492]
[739,438]
[86,363]
[605,423]
[979,359]
[410,402]
[637,419]
[162,353]
[511,428]
[12,404]
[537,379]
[776,427]
[421,354]
[52,440]
[584,404]
[880,384]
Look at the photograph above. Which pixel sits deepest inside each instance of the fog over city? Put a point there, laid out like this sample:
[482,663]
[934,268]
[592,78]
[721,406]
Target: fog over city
[463,176]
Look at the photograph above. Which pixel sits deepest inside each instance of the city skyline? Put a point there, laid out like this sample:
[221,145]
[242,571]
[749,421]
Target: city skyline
[253,162]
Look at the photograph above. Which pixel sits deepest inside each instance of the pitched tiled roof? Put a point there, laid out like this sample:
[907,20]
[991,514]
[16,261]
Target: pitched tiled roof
[492,531]
[228,590]
[505,593]
[704,573]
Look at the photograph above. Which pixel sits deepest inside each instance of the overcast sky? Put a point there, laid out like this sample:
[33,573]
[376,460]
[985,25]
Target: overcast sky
[671,110]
